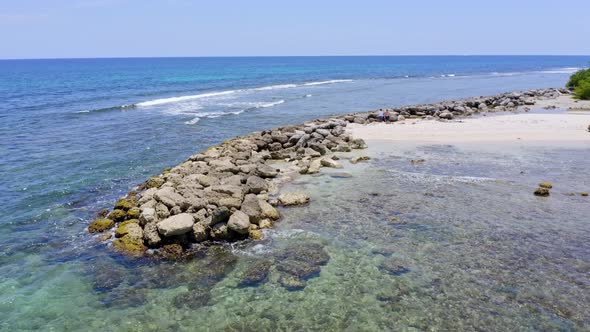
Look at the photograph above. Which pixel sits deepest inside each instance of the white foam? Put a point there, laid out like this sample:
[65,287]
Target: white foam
[326,82]
[276,87]
[184,98]
[271,104]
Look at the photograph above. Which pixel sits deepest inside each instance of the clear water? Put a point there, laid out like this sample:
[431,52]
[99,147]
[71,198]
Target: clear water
[474,252]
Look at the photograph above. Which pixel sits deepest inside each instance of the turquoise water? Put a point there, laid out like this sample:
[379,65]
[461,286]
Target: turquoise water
[469,253]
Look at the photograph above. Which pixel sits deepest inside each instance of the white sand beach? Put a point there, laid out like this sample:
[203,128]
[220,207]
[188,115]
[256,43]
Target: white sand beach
[539,127]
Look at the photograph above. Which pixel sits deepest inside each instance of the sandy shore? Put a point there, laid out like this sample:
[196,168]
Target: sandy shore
[546,127]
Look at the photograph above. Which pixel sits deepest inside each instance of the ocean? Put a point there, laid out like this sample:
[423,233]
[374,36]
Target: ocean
[76,134]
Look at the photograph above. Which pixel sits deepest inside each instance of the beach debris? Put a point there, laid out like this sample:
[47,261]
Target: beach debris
[417,161]
[584,193]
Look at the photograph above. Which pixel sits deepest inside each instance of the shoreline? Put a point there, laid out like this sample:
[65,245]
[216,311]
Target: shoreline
[230,191]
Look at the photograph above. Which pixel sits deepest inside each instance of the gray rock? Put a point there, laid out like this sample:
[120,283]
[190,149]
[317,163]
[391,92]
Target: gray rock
[151,235]
[266,171]
[162,211]
[358,159]
[234,180]
[176,225]
[199,232]
[148,215]
[234,191]
[321,148]
[314,166]
[329,162]
[279,137]
[358,143]
[251,207]
[268,211]
[312,153]
[224,166]
[220,215]
[446,115]
[220,232]
[323,132]
[168,197]
[239,222]
[256,184]
[206,180]
[230,202]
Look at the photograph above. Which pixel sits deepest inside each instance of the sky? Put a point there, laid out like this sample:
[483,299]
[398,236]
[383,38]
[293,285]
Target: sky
[162,28]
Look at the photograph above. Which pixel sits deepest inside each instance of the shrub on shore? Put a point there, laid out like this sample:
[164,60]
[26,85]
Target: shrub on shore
[582,91]
[580,83]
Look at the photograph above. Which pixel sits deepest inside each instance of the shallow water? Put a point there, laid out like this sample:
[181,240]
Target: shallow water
[62,164]
[469,248]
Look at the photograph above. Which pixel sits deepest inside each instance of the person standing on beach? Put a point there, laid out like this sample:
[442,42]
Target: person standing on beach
[387,115]
[380,115]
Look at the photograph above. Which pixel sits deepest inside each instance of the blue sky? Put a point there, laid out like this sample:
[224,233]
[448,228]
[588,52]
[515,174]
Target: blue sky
[126,28]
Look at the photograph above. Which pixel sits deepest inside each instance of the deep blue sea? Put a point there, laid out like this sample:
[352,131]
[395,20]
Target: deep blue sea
[76,134]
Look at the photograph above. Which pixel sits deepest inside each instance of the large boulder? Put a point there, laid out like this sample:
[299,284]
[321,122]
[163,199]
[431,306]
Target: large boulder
[239,222]
[267,210]
[266,171]
[234,191]
[176,225]
[256,184]
[168,197]
[251,207]
[293,198]
[446,115]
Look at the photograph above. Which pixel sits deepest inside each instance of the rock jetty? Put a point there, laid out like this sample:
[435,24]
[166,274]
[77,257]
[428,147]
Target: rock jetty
[230,191]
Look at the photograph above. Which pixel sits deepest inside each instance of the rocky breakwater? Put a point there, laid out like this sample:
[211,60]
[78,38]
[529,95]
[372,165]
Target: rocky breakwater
[448,110]
[226,193]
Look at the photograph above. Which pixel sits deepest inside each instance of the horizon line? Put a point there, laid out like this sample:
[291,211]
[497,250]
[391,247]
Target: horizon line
[292,56]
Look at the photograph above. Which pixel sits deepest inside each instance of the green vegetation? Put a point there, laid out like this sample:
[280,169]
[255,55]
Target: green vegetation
[582,91]
[580,83]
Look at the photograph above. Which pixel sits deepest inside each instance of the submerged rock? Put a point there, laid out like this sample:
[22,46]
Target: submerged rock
[292,283]
[293,198]
[356,160]
[193,299]
[300,269]
[130,245]
[255,274]
[393,266]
